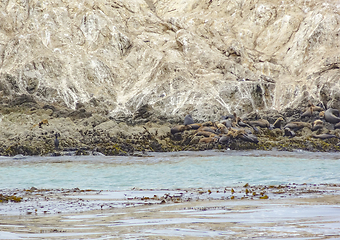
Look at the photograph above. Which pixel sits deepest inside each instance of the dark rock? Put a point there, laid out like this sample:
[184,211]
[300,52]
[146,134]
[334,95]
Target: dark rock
[26,100]
[176,137]
[144,112]
[79,114]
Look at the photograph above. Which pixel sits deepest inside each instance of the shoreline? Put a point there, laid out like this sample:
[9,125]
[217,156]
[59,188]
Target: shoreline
[31,132]
[106,215]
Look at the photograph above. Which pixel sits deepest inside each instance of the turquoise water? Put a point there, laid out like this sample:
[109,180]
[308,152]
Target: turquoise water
[170,170]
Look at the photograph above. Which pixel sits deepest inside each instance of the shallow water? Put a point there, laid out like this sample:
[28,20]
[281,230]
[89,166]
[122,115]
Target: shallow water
[170,170]
[185,195]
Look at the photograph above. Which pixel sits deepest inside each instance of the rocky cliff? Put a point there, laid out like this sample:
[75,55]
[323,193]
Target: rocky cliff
[206,57]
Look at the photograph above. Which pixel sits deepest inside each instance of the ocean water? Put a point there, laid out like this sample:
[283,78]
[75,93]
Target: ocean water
[179,170]
[129,203]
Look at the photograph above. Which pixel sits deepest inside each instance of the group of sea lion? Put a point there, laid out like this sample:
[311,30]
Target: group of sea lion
[232,127]
[330,116]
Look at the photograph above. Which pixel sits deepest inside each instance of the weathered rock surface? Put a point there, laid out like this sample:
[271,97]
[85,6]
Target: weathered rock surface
[100,70]
[206,57]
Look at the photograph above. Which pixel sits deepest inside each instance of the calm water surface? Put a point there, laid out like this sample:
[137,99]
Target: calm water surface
[170,170]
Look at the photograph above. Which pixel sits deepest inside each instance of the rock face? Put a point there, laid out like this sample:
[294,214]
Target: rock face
[204,57]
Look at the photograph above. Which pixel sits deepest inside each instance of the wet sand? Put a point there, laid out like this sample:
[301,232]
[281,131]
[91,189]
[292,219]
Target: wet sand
[290,211]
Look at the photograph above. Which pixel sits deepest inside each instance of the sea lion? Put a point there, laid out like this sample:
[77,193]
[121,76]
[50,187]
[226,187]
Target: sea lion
[232,132]
[243,134]
[207,129]
[221,128]
[208,140]
[322,114]
[324,136]
[204,133]
[317,124]
[235,132]
[311,108]
[278,123]
[235,120]
[332,115]
[297,125]
[195,126]
[227,123]
[308,112]
[179,128]
[337,125]
[316,108]
[241,123]
[263,123]
[289,133]
[188,120]
[208,124]
[224,139]
[249,137]
[255,129]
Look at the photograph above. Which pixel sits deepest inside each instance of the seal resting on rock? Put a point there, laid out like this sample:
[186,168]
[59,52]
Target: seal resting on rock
[235,120]
[195,126]
[249,137]
[221,128]
[224,139]
[263,123]
[188,120]
[317,109]
[277,123]
[205,134]
[207,129]
[298,125]
[324,136]
[241,123]
[234,132]
[227,123]
[337,125]
[317,124]
[308,112]
[331,115]
[179,128]
[289,133]
[208,140]
[208,124]
[242,134]
[311,109]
